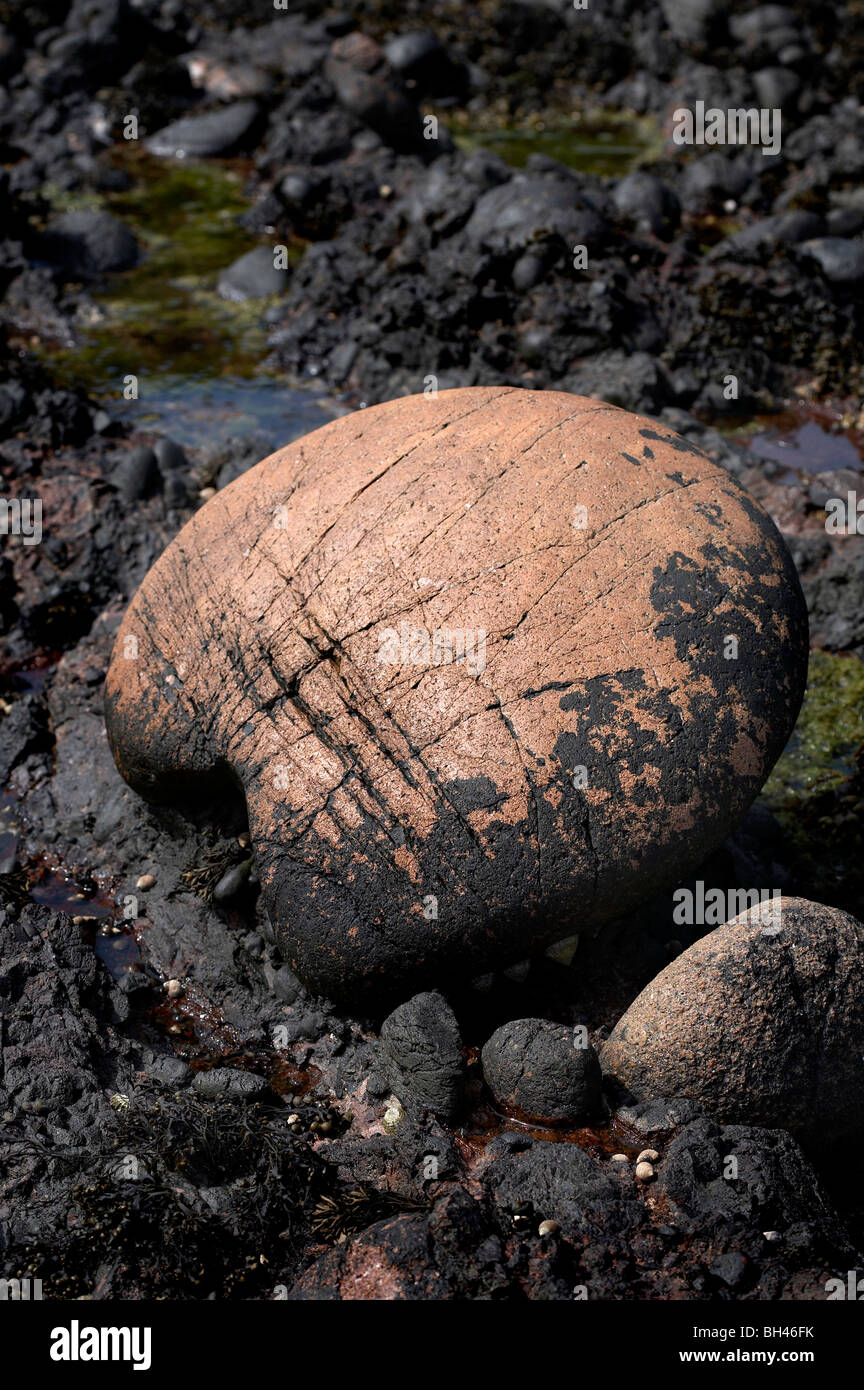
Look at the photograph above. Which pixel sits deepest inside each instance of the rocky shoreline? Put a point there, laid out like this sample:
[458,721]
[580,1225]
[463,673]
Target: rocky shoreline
[179,1117]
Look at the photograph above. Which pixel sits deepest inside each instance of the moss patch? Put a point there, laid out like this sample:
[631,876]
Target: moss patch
[607,145]
[827,744]
[816,789]
[163,320]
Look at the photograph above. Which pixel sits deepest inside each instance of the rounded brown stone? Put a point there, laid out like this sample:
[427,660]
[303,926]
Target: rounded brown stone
[760,1021]
[469,658]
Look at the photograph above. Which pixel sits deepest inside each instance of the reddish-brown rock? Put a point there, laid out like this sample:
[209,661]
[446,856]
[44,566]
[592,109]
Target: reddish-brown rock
[469,657]
[761,1021]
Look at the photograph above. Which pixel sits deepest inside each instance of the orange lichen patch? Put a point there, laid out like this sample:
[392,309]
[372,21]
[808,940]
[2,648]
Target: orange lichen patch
[745,755]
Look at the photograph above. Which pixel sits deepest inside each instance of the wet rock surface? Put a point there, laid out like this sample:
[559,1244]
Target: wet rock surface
[253,276]
[541,1071]
[89,243]
[215,133]
[100,1051]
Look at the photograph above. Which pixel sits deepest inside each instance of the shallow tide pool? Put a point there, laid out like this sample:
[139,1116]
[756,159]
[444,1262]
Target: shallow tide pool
[196,356]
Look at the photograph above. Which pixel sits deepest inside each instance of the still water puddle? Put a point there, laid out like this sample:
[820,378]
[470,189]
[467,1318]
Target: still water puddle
[227,406]
[805,439]
[807,448]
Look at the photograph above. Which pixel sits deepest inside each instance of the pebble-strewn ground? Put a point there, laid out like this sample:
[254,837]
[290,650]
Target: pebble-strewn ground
[177,1116]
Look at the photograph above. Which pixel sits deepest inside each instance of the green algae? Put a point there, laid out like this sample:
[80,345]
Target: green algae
[163,320]
[608,146]
[827,745]
[816,789]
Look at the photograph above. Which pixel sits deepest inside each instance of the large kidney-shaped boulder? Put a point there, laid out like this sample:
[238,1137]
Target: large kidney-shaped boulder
[761,1021]
[489,667]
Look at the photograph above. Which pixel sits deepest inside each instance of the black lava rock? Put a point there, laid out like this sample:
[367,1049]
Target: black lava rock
[286,985]
[635,381]
[229,1082]
[658,1117]
[22,731]
[232,882]
[744,1178]
[14,403]
[422,61]
[692,22]
[368,88]
[537,1069]
[761,239]
[253,276]
[137,475]
[89,242]
[563,1183]
[169,455]
[646,202]
[423,1047]
[841,261]
[710,179]
[215,133]
[514,215]
[171,1072]
[730,1269]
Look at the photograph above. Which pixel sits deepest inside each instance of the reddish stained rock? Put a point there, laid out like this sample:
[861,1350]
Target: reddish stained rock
[446,1254]
[416,816]
[761,1026]
[380,1266]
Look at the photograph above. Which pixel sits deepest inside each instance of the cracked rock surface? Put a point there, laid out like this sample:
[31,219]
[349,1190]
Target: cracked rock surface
[469,659]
